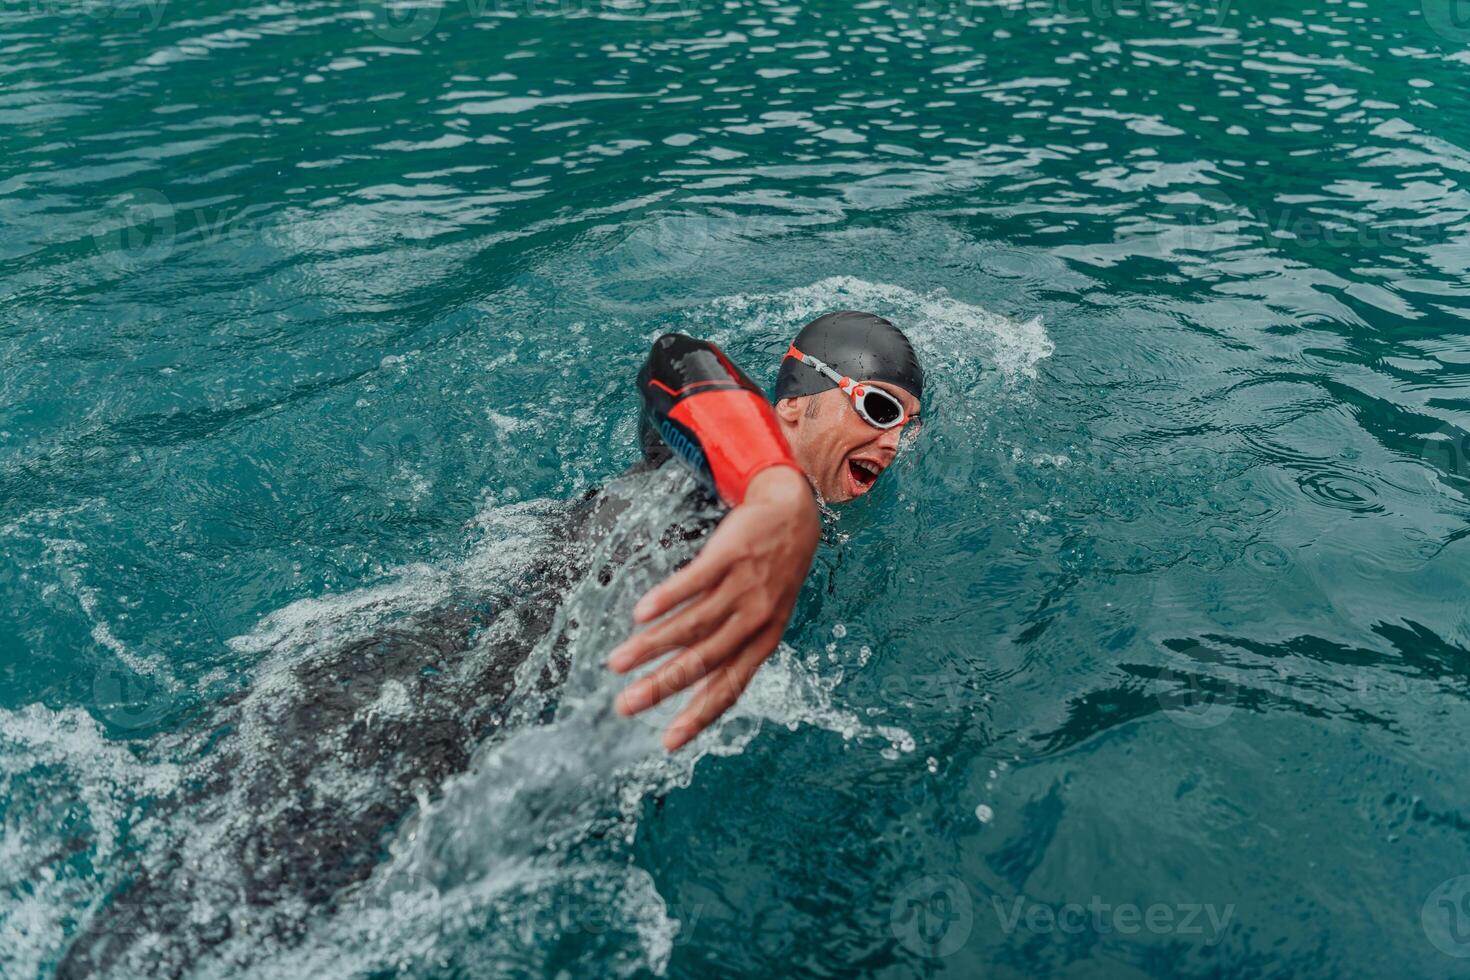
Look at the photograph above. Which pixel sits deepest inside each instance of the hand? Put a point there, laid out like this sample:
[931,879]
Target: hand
[737,593]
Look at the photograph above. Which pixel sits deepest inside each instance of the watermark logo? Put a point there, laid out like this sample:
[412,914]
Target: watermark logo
[1290,227]
[1446,917]
[933,916]
[1196,700]
[416,912]
[1447,449]
[128,700]
[1194,224]
[137,231]
[687,910]
[398,21]
[936,688]
[1450,19]
[591,912]
[671,240]
[401,458]
[1203,920]
[149,12]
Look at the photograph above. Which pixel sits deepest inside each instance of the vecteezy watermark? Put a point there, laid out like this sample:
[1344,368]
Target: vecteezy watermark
[1445,917]
[671,241]
[670,684]
[129,700]
[1450,19]
[1204,920]
[1447,449]
[933,916]
[146,14]
[142,227]
[936,689]
[415,911]
[402,458]
[1309,230]
[1193,224]
[400,21]
[1200,697]
[137,230]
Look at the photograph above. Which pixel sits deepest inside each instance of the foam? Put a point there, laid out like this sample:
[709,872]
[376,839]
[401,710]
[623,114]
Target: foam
[551,789]
[547,813]
[58,769]
[951,335]
[102,634]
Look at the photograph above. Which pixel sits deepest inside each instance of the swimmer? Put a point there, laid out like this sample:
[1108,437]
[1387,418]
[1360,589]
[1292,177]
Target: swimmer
[303,783]
[849,386]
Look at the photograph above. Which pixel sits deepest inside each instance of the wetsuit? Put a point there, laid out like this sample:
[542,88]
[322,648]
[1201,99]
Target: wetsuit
[285,839]
[699,406]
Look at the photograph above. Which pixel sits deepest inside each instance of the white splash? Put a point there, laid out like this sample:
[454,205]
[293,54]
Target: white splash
[951,334]
[551,810]
[60,769]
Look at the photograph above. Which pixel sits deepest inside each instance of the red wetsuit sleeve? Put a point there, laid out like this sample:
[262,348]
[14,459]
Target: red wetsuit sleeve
[739,434]
[700,407]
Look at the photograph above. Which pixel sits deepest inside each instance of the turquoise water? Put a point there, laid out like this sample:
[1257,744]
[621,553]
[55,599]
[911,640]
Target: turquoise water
[1151,659]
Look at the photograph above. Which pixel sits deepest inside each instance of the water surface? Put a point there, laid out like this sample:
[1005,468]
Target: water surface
[1149,660]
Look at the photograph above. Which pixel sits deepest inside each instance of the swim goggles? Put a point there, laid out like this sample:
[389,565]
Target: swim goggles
[877,407]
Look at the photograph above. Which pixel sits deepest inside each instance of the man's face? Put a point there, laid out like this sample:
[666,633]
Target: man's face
[841,454]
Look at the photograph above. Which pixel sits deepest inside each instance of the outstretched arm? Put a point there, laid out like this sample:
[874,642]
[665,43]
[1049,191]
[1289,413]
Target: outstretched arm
[732,602]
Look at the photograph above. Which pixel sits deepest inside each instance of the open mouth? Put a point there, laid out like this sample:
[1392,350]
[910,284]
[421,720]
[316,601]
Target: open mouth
[862,473]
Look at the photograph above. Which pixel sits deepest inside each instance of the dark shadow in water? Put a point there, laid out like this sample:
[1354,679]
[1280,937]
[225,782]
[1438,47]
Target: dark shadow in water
[1362,687]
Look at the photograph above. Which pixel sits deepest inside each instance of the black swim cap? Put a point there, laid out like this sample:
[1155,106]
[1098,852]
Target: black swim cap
[859,345]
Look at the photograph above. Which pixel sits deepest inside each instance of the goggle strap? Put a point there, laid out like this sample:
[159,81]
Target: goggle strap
[848,386]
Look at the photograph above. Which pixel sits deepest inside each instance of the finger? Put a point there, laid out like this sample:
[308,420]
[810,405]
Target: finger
[683,670]
[697,576]
[720,691]
[680,629]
